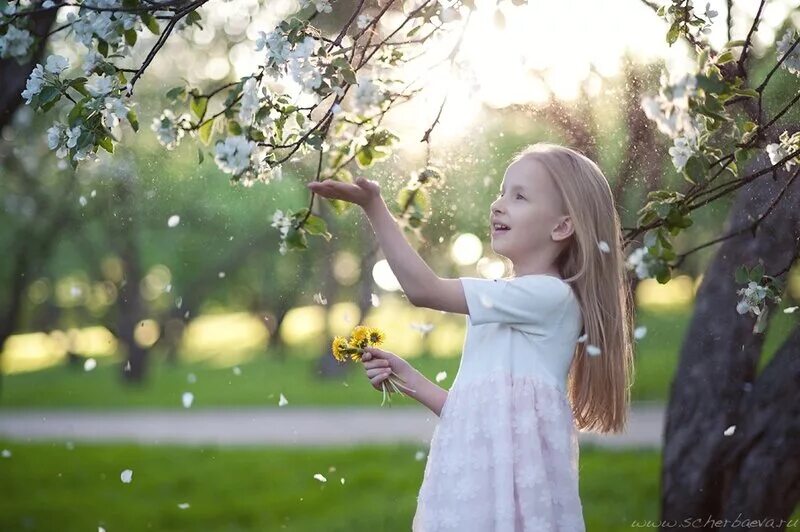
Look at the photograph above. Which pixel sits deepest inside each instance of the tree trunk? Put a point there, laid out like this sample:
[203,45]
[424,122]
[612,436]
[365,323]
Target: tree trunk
[706,474]
[15,76]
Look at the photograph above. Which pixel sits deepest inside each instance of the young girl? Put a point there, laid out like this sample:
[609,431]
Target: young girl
[547,351]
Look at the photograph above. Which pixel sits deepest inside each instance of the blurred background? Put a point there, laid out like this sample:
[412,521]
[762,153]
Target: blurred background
[149,255]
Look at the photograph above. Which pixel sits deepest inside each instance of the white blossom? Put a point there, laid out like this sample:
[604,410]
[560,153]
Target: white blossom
[16,43]
[277,45]
[250,101]
[168,130]
[322,6]
[670,108]
[710,13]
[100,85]
[56,64]
[363,21]
[233,154]
[753,296]
[114,110]
[680,152]
[792,62]
[92,60]
[126,476]
[34,84]
[367,94]
[282,222]
[637,261]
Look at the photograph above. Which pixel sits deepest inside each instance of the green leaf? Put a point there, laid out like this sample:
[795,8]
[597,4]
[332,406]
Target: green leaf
[151,23]
[133,119]
[757,273]
[296,239]
[724,57]
[176,93]
[711,84]
[130,36]
[198,105]
[205,130]
[315,225]
[348,75]
[106,144]
[102,47]
[741,274]
[694,171]
[234,128]
[673,33]
[364,157]
[49,94]
[193,18]
[200,156]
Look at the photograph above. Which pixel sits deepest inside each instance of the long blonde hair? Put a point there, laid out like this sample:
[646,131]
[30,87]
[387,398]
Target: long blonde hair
[598,387]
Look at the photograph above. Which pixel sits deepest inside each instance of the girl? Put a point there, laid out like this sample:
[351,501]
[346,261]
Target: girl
[547,351]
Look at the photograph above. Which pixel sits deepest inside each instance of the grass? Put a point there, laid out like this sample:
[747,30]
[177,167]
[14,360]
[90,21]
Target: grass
[267,488]
[263,380]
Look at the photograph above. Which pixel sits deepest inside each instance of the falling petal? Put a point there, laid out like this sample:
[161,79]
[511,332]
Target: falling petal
[6,453]
[321,478]
[592,350]
[583,338]
[221,275]
[442,375]
[342,479]
[419,456]
[424,328]
[126,476]
[183,505]
[192,378]
[603,245]
[173,220]
[639,332]
[89,364]
[70,446]
[237,370]
[729,430]
[282,401]
[187,398]
[319,299]
[128,365]
[790,310]
[376,301]
[82,201]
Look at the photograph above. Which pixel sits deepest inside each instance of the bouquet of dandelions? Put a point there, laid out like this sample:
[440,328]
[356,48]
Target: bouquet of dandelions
[361,337]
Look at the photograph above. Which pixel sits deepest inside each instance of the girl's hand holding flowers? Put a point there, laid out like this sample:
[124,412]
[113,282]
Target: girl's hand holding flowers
[381,366]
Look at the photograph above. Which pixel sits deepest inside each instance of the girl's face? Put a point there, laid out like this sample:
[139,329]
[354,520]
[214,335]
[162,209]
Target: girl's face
[530,205]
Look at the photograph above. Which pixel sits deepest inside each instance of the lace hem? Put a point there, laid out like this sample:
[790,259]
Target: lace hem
[503,457]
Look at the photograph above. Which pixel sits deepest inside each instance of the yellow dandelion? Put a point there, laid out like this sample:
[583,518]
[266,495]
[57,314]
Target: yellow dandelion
[360,336]
[376,336]
[339,348]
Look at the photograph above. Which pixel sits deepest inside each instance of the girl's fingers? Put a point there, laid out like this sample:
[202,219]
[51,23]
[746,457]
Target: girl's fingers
[376,364]
[376,380]
[377,371]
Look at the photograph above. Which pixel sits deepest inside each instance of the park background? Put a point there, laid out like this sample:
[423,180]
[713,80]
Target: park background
[237,324]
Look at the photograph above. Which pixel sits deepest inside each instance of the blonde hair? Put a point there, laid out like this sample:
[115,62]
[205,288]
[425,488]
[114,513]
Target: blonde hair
[598,387]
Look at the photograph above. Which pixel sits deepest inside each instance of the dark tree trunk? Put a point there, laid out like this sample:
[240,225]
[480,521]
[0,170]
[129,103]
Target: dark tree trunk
[707,474]
[130,307]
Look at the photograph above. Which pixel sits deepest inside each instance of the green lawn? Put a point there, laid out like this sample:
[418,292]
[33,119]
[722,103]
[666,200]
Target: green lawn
[263,380]
[263,489]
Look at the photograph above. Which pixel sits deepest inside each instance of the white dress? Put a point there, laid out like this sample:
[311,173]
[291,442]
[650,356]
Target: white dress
[504,454]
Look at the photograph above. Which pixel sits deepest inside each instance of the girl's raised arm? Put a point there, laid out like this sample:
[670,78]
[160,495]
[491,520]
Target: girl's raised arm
[414,275]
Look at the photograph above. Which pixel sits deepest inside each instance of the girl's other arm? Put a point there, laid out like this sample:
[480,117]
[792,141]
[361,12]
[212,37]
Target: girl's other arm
[426,392]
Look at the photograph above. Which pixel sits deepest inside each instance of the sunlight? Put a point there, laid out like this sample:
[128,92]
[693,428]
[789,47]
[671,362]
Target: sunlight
[679,291]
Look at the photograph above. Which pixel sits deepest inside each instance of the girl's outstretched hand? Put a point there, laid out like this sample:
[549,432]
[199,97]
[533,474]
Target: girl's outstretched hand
[363,192]
[379,364]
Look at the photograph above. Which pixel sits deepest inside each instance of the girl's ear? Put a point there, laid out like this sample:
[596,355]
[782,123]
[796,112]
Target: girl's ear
[564,229]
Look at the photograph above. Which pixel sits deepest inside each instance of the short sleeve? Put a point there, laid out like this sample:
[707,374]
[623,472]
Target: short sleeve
[530,303]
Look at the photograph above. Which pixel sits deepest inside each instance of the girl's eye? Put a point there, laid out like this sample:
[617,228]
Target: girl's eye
[520,196]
